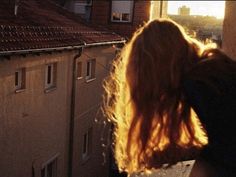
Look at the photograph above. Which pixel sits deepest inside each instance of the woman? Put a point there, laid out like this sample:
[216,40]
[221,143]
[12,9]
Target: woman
[172,98]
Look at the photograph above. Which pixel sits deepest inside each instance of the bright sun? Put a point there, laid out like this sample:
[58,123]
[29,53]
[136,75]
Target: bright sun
[210,8]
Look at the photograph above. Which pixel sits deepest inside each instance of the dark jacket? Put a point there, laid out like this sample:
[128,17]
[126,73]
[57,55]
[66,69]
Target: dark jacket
[210,89]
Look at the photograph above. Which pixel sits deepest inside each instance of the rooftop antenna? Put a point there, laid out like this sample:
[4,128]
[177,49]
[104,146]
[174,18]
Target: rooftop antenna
[17,2]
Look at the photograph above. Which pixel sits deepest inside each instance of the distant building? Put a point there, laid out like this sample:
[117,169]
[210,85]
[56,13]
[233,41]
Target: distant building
[184,11]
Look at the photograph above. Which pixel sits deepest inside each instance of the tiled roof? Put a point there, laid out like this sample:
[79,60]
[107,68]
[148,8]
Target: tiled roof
[41,24]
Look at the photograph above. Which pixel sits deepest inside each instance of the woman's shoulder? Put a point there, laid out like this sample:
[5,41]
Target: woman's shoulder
[216,74]
[216,66]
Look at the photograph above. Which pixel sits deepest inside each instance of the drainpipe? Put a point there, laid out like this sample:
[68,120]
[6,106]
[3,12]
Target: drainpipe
[72,105]
[72,114]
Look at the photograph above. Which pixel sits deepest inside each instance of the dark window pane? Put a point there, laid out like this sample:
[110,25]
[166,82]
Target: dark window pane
[125,17]
[16,78]
[79,69]
[88,68]
[43,172]
[50,170]
[49,74]
[85,144]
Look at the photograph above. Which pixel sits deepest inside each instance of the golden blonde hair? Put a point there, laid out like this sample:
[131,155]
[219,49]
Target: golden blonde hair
[154,125]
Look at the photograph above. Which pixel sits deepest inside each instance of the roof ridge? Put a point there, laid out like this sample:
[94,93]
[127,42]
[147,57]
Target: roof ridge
[36,28]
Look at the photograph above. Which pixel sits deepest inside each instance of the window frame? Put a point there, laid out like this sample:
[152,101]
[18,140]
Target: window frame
[50,76]
[44,169]
[20,79]
[131,13]
[90,69]
[87,144]
[79,73]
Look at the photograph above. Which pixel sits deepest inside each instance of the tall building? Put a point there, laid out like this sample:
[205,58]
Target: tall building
[184,11]
[51,70]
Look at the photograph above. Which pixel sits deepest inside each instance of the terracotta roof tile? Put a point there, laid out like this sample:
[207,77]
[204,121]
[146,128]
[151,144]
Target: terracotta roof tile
[42,24]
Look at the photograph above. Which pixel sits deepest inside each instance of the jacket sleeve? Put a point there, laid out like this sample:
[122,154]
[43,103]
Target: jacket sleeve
[202,98]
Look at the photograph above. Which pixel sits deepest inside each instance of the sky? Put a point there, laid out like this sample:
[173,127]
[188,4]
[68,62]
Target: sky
[210,8]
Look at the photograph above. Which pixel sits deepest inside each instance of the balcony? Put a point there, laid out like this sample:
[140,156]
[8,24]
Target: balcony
[182,169]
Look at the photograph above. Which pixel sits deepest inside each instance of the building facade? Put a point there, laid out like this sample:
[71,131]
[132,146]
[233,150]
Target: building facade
[90,132]
[229,29]
[51,70]
[122,17]
[34,116]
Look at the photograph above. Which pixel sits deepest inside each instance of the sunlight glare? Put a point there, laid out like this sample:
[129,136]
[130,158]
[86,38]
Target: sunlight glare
[205,8]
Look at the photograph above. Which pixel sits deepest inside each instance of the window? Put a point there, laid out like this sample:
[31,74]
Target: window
[87,142]
[202,20]
[122,11]
[79,70]
[80,7]
[90,69]
[20,79]
[50,75]
[49,169]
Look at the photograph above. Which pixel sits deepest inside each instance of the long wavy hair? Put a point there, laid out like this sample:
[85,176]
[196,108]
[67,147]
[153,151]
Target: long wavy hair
[153,123]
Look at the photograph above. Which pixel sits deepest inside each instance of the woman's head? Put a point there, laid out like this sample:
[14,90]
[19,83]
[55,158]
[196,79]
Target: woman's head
[153,123]
[158,55]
